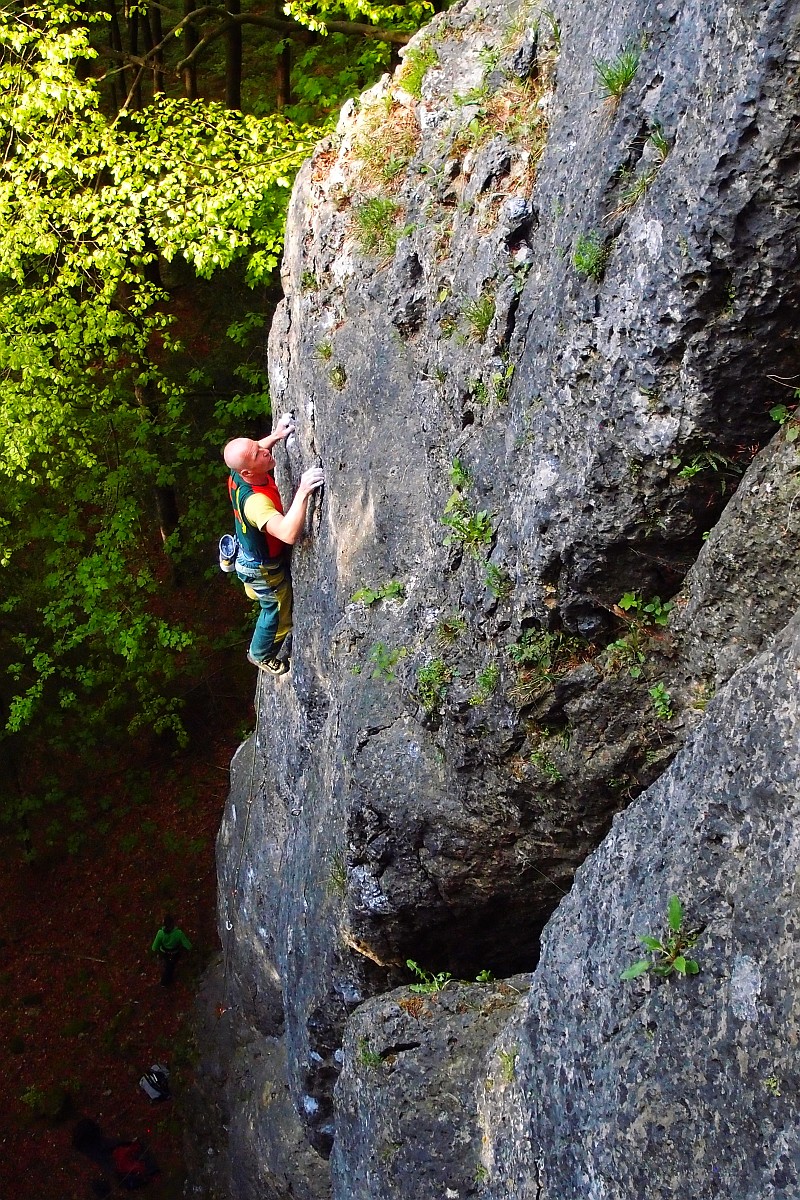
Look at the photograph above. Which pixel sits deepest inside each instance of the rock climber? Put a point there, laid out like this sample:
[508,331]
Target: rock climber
[168,943]
[264,534]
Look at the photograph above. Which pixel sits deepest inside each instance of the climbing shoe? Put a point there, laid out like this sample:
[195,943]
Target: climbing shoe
[271,665]
[284,651]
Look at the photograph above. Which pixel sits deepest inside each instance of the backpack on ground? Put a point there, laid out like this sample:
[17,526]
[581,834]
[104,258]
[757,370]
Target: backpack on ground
[155,1083]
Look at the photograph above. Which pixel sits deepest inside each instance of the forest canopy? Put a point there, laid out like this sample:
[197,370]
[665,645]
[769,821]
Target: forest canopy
[131,175]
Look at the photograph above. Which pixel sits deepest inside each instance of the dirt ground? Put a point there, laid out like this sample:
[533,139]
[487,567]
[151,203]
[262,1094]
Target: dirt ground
[83,1011]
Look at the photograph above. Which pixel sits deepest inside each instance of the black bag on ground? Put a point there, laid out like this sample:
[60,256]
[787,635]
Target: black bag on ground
[155,1083]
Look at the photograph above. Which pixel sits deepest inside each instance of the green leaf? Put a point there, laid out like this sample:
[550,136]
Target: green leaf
[637,968]
[692,967]
[679,964]
[674,913]
[651,942]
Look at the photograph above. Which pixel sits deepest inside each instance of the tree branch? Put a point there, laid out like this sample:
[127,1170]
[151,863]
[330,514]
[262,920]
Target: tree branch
[395,37]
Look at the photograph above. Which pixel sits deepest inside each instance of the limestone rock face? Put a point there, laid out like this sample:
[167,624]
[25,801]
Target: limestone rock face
[533,333]
[245,1138]
[595,1086]
[675,1086]
[406,1119]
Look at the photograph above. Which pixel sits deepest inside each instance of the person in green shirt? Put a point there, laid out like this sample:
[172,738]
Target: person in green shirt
[168,943]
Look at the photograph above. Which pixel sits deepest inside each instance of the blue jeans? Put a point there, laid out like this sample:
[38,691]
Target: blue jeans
[268,583]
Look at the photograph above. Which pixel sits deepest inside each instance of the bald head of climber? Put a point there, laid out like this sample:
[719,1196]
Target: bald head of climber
[252,460]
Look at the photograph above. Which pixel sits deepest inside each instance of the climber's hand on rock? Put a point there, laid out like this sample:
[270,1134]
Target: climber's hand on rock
[312,479]
[285,426]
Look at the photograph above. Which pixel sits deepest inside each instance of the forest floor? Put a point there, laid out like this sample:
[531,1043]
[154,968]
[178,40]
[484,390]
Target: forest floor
[83,1012]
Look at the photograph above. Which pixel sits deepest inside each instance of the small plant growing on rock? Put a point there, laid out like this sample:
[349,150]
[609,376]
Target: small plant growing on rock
[498,581]
[338,377]
[479,315]
[387,591]
[51,1103]
[508,1064]
[635,188]
[706,460]
[337,874]
[480,393]
[367,1057]
[432,681]
[428,982]
[387,142]
[643,617]
[540,657]
[460,478]
[628,652]
[471,530]
[501,382]
[649,612]
[787,417]
[449,629]
[544,763]
[662,702]
[385,659]
[324,351]
[590,255]
[374,223]
[668,953]
[486,681]
[710,460]
[547,653]
[617,74]
[416,64]
[659,142]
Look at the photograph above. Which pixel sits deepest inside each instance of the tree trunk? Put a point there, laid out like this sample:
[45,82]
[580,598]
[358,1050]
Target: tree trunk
[156,32]
[167,509]
[118,94]
[165,497]
[283,80]
[233,59]
[133,44]
[190,40]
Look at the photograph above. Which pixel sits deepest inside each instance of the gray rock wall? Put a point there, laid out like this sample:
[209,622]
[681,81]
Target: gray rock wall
[406,1119]
[594,1086]
[533,336]
[674,1086]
